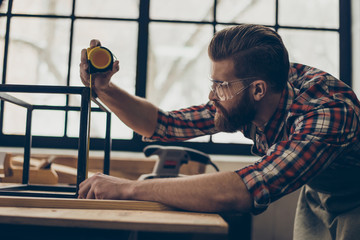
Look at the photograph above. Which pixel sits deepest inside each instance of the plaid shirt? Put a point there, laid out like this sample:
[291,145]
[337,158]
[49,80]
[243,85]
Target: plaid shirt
[316,126]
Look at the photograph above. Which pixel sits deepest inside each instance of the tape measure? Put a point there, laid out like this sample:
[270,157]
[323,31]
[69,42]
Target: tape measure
[100,59]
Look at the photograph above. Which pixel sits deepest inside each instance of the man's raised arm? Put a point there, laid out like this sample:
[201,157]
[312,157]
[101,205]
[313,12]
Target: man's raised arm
[137,113]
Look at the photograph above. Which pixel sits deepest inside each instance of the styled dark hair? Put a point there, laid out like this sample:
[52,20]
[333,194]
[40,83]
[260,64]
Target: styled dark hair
[257,51]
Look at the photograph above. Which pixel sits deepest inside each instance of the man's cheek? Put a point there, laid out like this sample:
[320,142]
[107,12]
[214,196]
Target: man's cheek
[220,109]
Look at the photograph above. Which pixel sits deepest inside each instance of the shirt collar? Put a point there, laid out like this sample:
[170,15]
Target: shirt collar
[275,125]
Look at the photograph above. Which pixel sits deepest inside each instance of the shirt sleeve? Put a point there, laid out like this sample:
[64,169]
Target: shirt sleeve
[315,140]
[184,124]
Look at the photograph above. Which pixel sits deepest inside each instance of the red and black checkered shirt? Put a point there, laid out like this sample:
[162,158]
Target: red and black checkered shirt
[316,126]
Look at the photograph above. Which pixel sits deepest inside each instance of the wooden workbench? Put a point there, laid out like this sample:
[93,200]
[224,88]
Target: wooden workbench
[46,218]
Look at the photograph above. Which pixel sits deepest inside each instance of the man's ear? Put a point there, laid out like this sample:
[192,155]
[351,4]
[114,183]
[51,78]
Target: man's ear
[259,89]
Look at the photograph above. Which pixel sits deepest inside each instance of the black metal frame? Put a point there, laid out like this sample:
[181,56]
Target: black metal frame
[143,21]
[26,189]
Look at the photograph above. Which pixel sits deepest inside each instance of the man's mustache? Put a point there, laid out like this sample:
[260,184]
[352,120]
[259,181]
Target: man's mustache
[219,106]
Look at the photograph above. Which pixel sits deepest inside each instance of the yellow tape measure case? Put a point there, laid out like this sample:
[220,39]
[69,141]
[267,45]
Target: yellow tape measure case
[100,59]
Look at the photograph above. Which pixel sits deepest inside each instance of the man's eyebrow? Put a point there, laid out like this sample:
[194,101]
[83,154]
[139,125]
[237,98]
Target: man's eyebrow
[215,81]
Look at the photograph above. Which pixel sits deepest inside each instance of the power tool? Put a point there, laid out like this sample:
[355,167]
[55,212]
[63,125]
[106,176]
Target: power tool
[171,158]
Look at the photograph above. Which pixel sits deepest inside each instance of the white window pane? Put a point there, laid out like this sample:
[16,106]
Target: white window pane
[48,123]
[319,49]
[98,126]
[4,7]
[14,119]
[309,13]
[41,98]
[199,10]
[63,7]
[44,122]
[178,65]
[73,124]
[119,129]
[40,48]
[251,11]
[108,8]
[237,137]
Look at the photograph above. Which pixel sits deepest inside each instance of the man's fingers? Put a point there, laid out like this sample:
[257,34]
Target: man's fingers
[103,77]
[83,56]
[116,68]
[94,43]
[91,193]
[84,188]
[84,75]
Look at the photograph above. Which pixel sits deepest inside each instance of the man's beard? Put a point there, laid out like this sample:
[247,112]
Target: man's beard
[242,114]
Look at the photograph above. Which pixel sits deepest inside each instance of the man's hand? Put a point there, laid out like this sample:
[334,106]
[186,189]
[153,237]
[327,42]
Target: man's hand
[212,192]
[99,80]
[102,186]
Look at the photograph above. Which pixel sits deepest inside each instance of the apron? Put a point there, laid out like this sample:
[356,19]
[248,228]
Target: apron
[329,206]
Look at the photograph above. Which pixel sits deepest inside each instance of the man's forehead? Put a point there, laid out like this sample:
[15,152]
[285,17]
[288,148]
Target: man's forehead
[223,69]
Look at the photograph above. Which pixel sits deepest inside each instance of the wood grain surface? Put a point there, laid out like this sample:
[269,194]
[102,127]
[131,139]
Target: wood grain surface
[158,221]
[37,202]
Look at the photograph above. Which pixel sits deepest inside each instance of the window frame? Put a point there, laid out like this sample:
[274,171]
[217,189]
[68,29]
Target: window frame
[136,144]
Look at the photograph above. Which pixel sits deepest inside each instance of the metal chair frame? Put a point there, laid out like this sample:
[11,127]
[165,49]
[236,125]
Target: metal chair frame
[66,191]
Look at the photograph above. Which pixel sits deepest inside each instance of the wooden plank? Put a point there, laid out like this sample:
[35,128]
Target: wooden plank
[13,173]
[155,221]
[62,173]
[37,202]
[130,168]
[36,176]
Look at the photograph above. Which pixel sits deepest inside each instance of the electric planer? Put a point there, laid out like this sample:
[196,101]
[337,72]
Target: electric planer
[171,158]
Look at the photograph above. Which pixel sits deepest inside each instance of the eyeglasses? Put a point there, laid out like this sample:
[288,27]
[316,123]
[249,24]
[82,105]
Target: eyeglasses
[224,92]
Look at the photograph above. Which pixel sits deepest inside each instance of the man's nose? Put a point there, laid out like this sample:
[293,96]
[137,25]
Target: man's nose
[212,96]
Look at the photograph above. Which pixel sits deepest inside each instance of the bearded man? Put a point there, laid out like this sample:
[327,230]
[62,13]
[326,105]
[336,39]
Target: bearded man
[303,121]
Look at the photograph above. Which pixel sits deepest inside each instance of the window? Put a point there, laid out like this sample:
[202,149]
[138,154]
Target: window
[162,49]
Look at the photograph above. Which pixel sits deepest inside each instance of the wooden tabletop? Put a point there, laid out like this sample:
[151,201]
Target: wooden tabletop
[107,214]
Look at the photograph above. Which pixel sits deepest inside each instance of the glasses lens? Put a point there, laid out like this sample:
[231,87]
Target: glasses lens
[213,87]
[227,90]
[221,93]
[224,91]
